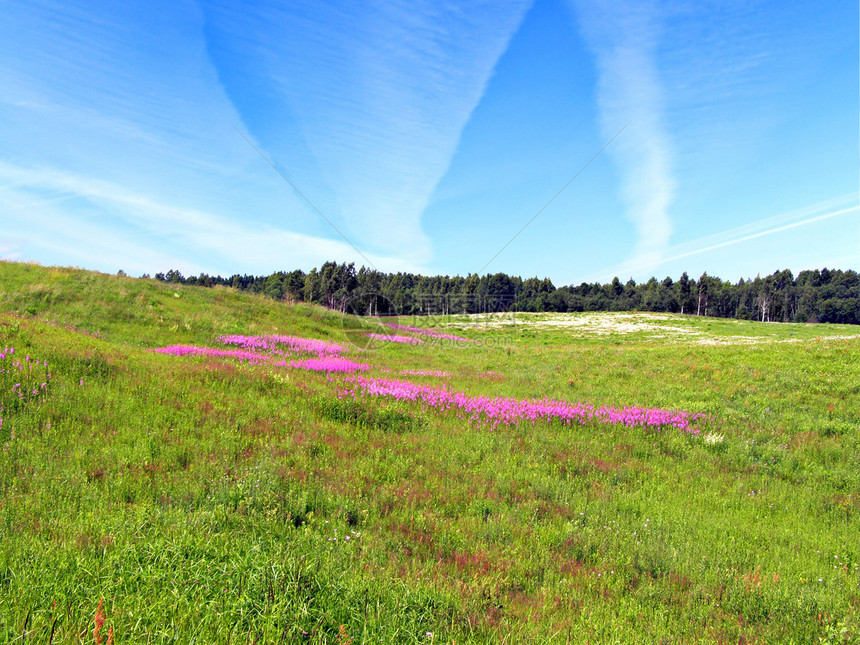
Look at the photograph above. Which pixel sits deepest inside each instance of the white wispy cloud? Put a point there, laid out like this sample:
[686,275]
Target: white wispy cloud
[840,206]
[624,37]
[145,235]
[9,251]
[381,92]
[362,104]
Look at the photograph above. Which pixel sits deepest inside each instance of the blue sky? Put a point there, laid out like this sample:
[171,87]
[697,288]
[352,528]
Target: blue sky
[426,135]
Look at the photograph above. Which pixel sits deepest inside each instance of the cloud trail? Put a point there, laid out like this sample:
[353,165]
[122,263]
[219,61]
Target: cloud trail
[362,104]
[381,92]
[624,38]
[777,224]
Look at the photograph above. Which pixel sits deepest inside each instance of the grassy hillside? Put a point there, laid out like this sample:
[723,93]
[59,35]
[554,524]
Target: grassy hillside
[436,493]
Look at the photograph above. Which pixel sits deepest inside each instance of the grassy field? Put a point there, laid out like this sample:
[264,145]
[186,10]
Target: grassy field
[436,493]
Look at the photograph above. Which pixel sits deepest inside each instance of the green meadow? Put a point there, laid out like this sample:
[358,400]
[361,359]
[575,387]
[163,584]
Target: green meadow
[206,499]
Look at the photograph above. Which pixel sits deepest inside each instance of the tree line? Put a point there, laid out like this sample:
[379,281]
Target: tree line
[831,296]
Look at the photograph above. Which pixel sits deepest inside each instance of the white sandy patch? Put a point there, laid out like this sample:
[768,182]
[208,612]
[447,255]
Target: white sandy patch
[670,327]
[590,323]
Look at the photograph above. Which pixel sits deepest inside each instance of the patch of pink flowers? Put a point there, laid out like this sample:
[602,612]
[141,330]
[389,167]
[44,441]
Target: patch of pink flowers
[508,411]
[330,364]
[326,360]
[427,332]
[21,380]
[191,350]
[273,344]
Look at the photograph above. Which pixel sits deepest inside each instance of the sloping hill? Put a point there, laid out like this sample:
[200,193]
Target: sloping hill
[181,463]
[150,312]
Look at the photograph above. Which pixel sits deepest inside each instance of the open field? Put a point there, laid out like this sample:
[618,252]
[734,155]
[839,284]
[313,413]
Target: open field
[242,485]
[654,326]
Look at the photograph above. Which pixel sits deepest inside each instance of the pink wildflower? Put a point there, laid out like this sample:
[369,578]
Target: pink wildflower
[508,411]
[330,364]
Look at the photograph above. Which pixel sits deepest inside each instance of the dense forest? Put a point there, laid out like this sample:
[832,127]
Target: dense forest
[813,296]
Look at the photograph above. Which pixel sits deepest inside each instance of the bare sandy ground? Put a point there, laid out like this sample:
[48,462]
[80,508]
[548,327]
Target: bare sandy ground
[652,325]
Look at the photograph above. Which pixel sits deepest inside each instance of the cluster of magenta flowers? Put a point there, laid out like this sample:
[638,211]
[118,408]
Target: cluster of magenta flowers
[427,332]
[21,379]
[274,350]
[327,357]
[192,350]
[509,411]
[329,364]
[274,344]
